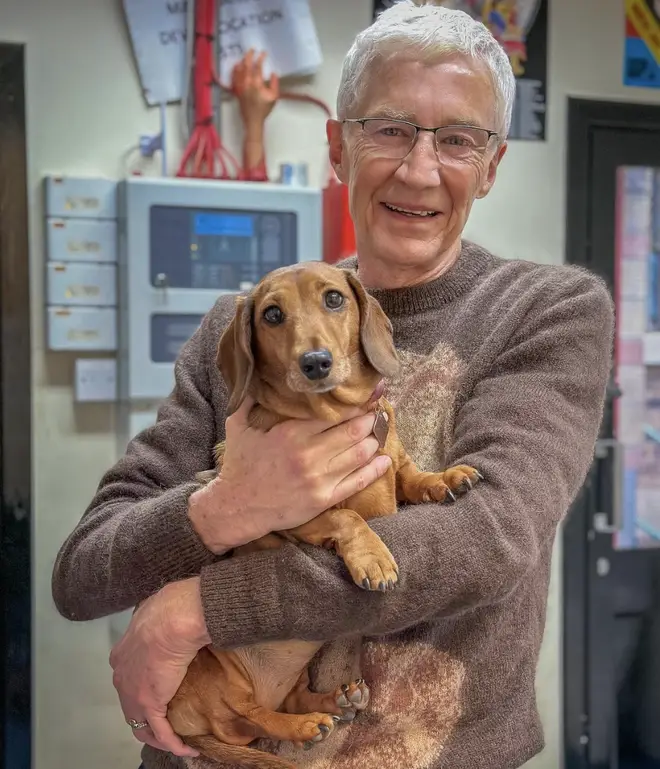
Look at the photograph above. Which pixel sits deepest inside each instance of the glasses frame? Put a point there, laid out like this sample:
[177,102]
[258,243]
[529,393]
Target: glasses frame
[418,128]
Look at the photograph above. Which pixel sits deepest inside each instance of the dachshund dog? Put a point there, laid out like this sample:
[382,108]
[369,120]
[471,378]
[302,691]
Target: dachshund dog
[307,343]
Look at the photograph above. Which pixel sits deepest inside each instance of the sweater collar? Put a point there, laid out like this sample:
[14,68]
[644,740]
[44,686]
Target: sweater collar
[462,275]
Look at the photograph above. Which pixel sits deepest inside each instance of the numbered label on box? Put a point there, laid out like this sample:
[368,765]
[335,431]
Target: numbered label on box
[82,328]
[81,284]
[81,240]
[80,198]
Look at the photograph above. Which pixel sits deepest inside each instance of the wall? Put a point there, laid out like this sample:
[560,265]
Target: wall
[84,112]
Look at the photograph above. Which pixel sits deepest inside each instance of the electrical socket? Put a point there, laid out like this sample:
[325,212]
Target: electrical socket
[95,380]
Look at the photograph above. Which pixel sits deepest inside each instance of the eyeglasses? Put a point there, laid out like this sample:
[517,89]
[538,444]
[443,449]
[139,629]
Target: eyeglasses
[396,138]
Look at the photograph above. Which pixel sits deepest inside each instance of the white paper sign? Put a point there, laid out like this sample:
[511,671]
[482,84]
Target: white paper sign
[283,28]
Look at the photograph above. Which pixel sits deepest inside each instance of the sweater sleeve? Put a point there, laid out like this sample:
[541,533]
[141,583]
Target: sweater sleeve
[529,426]
[135,536]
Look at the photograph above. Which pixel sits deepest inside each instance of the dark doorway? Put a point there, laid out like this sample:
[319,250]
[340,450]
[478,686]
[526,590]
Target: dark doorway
[15,420]
[612,536]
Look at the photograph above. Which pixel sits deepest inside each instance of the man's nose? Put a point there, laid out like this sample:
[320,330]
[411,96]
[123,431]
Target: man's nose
[421,166]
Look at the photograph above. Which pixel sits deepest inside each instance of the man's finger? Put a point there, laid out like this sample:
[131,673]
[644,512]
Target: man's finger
[341,437]
[240,416]
[165,735]
[147,737]
[352,459]
[317,426]
[361,478]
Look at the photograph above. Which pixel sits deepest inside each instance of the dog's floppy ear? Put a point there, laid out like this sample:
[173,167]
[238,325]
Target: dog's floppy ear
[235,358]
[375,331]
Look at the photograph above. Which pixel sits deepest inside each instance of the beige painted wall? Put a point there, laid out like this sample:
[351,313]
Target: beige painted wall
[84,112]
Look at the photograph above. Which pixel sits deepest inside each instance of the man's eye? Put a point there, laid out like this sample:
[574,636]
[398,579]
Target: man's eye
[273,315]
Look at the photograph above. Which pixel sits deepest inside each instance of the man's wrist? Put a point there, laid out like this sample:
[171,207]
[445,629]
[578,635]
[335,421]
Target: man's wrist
[187,615]
[220,519]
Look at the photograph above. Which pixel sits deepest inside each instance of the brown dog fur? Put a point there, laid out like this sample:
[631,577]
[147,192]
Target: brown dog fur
[230,698]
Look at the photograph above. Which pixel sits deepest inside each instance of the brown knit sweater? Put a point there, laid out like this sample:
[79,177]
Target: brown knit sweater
[505,365]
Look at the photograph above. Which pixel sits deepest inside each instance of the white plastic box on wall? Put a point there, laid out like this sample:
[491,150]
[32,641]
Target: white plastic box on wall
[80,198]
[81,284]
[81,240]
[95,380]
[82,329]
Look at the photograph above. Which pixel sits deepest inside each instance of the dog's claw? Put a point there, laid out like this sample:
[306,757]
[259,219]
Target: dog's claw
[336,719]
[365,583]
[451,495]
[325,729]
[468,483]
[344,688]
[390,584]
[382,587]
[308,745]
[479,475]
[359,681]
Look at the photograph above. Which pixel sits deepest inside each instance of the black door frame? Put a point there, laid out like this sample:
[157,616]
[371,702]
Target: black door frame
[15,419]
[585,701]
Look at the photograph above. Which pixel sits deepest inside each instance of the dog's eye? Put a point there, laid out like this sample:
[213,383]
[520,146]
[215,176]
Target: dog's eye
[334,300]
[273,315]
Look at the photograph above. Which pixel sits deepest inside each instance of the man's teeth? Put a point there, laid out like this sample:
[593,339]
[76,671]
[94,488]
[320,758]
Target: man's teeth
[410,213]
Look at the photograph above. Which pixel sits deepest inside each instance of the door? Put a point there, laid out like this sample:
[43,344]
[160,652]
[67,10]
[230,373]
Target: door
[15,420]
[612,535]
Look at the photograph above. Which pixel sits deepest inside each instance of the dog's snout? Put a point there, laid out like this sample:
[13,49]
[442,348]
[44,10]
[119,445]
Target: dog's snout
[316,364]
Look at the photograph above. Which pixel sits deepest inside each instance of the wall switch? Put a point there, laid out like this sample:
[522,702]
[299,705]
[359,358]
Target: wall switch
[96,380]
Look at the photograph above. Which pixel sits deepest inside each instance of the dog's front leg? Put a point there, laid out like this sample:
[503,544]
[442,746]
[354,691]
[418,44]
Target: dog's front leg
[415,486]
[366,557]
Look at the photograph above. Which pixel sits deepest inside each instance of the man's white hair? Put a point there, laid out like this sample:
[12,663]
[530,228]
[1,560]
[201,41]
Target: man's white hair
[426,33]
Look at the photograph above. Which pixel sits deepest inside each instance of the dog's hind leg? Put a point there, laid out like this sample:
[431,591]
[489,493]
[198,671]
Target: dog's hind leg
[345,701]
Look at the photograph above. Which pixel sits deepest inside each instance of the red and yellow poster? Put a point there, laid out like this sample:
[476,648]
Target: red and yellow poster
[642,50]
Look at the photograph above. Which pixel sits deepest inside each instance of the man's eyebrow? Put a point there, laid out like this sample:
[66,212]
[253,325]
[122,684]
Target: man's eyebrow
[389,112]
[394,114]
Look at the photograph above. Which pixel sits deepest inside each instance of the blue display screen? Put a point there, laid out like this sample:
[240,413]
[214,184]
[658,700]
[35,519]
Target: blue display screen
[219,249]
[231,225]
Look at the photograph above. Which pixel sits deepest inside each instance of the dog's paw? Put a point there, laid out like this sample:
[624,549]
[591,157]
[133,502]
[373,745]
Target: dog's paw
[461,479]
[370,563]
[445,487]
[314,728]
[352,698]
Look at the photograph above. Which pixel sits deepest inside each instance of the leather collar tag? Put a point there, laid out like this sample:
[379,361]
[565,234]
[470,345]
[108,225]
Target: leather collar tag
[381,427]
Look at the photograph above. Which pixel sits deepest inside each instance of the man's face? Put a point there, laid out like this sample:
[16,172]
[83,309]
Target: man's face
[453,92]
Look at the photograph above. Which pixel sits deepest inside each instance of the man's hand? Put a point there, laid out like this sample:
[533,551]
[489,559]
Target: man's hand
[151,660]
[280,479]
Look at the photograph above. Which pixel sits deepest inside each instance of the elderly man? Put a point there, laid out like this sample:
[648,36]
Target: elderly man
[505,366]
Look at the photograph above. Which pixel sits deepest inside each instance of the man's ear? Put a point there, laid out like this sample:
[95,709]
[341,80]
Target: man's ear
[491,174]
[375,331]
[333,130]
[235,358]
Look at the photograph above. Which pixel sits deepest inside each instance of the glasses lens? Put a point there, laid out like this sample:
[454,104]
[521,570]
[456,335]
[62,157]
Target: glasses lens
[461,141]
[392,137]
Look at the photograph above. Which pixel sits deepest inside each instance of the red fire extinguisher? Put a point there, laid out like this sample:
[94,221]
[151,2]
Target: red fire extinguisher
[338,230]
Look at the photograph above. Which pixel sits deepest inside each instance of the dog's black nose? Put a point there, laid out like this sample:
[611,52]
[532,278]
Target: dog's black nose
[316,364]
